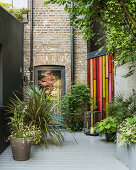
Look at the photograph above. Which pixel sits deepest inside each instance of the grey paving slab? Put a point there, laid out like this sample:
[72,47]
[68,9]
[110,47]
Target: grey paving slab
[91,153]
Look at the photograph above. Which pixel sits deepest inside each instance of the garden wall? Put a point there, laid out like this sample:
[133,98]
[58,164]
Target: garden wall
[11,65]
[124,85]
[52,42]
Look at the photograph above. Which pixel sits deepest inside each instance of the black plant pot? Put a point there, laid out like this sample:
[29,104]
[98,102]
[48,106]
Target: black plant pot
[110,137]
[20,148]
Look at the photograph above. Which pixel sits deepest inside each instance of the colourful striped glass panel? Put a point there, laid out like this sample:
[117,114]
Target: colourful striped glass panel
[101,82]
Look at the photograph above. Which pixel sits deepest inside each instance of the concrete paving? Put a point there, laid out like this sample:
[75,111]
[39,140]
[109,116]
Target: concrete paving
[91,153]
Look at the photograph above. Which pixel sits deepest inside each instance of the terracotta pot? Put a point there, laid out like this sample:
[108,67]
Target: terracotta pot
[20,148]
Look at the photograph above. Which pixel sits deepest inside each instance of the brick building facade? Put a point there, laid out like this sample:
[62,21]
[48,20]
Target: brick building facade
[51,42]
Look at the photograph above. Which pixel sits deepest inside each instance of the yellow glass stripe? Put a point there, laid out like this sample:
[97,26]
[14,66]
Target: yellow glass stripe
[94,93]
[91,119]
[107,95]
[103,75]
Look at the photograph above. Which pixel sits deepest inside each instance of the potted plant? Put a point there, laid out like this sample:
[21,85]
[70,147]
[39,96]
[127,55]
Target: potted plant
[107,127]
[21,140]
[24,12]
[40,111]
[22,135]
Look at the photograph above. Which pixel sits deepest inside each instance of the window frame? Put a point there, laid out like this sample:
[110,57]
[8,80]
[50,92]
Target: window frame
[51,68]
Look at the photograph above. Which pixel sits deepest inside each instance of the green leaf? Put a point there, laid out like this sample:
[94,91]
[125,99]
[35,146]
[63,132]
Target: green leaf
[46,2]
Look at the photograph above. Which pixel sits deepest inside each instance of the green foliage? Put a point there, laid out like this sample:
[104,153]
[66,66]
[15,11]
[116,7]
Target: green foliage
[118,19]
[14,11]
[128,131]
[38,111]
[19,128]
[41,112]
[107,125]
[74,104]
[122,109]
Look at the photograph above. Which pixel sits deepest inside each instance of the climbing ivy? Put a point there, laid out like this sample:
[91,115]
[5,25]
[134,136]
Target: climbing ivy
[118,19]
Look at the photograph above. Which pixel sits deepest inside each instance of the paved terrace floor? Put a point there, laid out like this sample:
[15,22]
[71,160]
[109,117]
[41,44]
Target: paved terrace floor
[91,153]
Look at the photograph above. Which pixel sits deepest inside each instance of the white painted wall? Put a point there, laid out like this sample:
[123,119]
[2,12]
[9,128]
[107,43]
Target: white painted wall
[124,86]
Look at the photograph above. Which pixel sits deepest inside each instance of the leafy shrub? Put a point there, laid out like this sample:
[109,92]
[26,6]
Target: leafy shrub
[107,125]
[74,104]
[122,109]
[128,131]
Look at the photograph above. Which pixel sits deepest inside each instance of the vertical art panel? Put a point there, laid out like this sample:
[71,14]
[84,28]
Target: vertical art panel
[101,82]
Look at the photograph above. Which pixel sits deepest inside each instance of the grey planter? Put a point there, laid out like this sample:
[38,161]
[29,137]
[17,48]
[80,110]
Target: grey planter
[126,154]
[25,18]
[20,149]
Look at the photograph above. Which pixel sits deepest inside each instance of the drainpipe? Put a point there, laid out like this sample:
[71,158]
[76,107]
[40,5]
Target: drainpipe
[72,50]
[31,43]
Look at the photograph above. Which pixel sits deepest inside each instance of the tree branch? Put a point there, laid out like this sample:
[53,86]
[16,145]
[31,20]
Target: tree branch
[129,28]
[133,21]
[123,18]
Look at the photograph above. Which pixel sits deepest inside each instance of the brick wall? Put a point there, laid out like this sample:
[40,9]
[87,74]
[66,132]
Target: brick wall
[52,42]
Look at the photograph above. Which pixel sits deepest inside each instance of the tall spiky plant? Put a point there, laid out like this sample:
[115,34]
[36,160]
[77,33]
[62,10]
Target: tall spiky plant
[40,111]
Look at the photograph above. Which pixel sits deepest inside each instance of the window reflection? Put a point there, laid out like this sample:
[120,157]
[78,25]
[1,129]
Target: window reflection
[51,81]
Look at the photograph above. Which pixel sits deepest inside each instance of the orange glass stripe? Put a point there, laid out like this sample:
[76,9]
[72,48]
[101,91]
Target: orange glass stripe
[94,68]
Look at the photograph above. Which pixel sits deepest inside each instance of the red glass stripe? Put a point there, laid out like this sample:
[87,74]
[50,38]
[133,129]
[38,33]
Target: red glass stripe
[104,108]
[110,88]
[110,66]
[94,68]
